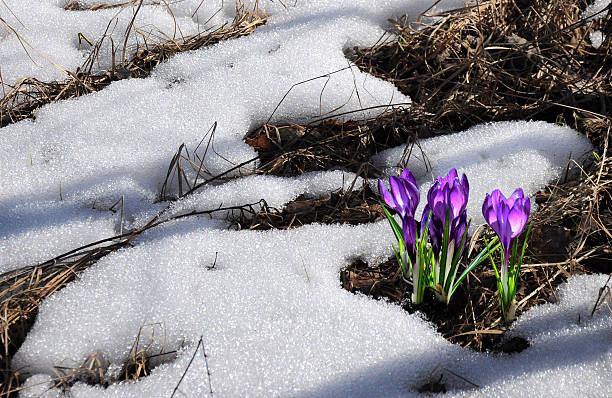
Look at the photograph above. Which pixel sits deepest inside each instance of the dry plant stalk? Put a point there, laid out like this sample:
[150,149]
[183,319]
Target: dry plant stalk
[29,94]
[90,371]
[93,370]
[76,6]
[291,149]
[139,364]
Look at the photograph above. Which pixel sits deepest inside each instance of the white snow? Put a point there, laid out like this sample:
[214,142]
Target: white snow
[272,316]
[596,9]
[597,38]
[40,386]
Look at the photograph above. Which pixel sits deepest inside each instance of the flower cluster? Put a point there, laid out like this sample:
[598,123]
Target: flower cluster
[508,218]
[448,226]
[430,255]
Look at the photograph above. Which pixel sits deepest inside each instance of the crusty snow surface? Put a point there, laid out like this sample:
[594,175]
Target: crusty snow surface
[271,315]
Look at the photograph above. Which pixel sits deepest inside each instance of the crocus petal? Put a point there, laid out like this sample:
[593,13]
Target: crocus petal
[408,176]
[409,232]
[487,210]
[386,195]
[517,218]
[415,197]
[410,185]
[507,217]
[459,229]
[457,201]
[517,194]
[399,195]
[466,187]
[516,222]
[424,218]
[436,230]
[438,202]
[496,209]
[505,233]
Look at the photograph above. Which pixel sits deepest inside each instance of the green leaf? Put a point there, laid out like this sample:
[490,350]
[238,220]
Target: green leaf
[486,252]
[423,238]
[399,260]
[455,263]
[516,267]
[512,263]
[397,230]
[500,289]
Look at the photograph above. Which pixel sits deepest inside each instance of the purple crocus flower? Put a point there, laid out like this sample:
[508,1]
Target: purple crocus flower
[409,232]
[449,195]
[404,199]
[507,217]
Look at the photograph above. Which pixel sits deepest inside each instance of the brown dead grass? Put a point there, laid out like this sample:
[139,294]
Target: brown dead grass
[290,149]
[499,60]
[343,207]
[77,6]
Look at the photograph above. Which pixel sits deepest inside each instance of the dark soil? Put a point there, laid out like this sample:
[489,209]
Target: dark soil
[351,208]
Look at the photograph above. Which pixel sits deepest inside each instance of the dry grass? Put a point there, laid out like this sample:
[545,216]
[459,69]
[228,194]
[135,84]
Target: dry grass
[23,99]
[291,149]
[76,6]
[350,207]
[95,368]
[499,60]
[91,371]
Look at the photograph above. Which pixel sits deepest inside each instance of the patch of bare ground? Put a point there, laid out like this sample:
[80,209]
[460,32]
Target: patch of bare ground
[25,97]
[290,149]
[349,207]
